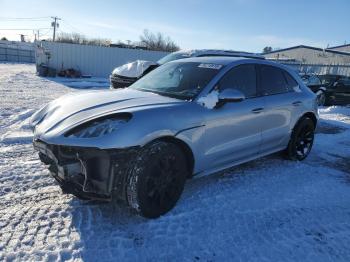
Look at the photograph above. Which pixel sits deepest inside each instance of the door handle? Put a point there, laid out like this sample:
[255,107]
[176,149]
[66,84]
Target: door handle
[296,103]
[257,110]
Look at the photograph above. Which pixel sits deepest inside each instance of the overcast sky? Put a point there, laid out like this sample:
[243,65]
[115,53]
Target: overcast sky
[247,25]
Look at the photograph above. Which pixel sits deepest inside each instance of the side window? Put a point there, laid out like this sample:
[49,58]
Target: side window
[291,83]
[242,78]
[314,80]
[272,80]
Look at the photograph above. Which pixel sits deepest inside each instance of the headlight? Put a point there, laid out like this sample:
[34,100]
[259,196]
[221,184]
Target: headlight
[99,127]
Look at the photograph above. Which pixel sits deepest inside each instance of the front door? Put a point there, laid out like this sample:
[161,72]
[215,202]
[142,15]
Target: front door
[233,131]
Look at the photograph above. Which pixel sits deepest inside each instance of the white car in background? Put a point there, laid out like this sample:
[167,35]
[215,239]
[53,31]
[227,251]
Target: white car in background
[125,75]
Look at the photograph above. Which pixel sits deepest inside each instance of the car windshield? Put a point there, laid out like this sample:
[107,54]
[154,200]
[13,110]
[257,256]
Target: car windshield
[173,56]
[327,79]
[182,80]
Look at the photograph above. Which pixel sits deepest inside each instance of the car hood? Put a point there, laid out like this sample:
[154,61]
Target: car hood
[134,69]
[76,108]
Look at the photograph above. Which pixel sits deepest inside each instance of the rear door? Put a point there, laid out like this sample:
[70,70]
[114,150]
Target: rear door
[282,102]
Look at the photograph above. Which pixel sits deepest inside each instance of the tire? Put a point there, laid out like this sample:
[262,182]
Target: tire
[157,179]
[301,140]
[321,99]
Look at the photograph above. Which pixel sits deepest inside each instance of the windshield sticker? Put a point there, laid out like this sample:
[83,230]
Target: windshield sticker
[210,66]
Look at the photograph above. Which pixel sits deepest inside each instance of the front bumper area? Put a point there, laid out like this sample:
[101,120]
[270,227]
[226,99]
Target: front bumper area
[88,173]
[121,82]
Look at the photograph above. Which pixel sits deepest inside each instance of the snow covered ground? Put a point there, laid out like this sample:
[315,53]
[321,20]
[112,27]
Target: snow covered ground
[267,210]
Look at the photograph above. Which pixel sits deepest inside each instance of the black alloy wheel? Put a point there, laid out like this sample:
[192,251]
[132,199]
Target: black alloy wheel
[158,179]
[301,140]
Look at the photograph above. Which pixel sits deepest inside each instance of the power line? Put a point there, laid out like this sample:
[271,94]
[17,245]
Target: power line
[45,33]
[72,27]
[25,18]
[16,29]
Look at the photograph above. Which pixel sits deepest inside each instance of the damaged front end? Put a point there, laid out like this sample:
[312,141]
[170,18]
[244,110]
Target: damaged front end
[88,173]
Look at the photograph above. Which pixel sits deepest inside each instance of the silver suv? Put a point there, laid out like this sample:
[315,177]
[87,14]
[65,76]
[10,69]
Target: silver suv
[186,118]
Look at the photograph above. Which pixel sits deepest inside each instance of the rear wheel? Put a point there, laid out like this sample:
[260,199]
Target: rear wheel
[157,180]
[301,140]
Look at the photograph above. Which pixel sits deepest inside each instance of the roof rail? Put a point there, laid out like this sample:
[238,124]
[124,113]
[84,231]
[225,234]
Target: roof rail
[217,52]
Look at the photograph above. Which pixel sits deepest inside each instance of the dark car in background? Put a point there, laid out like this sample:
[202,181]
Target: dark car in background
[330,89]
[125,75]
[315,84]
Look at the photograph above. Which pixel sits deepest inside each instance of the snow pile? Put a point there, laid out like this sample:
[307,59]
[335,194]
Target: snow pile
[270,209]
[209,101]
[336,115]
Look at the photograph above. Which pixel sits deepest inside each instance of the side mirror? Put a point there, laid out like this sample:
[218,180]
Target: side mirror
[231,95]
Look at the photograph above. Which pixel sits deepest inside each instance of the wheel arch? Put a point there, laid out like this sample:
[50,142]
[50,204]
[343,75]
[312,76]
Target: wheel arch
[185,148]
[310,115]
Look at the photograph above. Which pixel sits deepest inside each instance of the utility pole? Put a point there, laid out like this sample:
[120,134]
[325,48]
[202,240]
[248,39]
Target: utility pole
[36,35]
[55,25]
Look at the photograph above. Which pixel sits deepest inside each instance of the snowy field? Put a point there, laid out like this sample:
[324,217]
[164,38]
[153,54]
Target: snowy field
[267,210]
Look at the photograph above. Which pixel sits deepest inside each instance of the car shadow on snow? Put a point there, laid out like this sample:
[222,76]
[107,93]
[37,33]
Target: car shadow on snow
[340,163]
[326,128]
[82,83]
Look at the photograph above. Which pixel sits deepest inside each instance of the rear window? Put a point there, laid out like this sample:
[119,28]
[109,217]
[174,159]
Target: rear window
[291,83]
[273,81]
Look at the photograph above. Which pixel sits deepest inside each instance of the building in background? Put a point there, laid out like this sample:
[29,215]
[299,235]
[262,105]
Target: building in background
[97,61]
[342,48]
[314,60]
[311,55]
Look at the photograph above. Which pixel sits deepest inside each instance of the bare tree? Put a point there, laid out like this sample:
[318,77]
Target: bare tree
[158,42]
[76,38]
[267,49]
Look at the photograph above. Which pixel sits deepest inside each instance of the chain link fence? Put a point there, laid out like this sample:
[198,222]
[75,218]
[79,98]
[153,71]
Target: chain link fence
[319,69]
[16,53]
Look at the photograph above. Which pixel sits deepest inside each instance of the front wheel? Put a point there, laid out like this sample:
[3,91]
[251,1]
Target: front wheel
[157,179]
[302,139]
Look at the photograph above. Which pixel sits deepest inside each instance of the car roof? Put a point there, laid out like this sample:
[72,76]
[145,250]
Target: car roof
[227,60]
